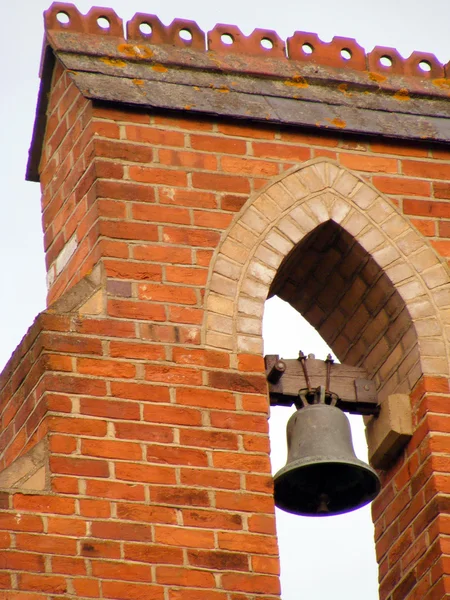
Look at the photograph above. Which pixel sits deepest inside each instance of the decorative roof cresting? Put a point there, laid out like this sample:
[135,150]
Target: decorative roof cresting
[228,39]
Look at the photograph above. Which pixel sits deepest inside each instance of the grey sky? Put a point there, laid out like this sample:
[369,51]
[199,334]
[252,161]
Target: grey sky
[319,557]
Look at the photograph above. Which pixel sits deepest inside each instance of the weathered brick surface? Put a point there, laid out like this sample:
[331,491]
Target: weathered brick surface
[152,397]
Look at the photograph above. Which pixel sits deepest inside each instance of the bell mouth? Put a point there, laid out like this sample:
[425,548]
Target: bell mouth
[325,488]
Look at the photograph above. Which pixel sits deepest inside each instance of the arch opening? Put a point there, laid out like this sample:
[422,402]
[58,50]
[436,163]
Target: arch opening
[332,281]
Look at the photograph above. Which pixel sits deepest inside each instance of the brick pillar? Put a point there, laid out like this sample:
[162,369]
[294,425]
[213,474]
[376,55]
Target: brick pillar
[134,438]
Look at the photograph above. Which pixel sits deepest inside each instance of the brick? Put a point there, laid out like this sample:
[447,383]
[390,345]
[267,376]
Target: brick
[399,149]
[158,176]
[128,231]
[115,490]
[205,398]
[188,123]
[186,594]
[76,385]
[49,584]
[237,422]
[140,391]
[210,478]
[237,382]
[46,544]
[119,570]
[63,444]
[111,449]
[443,247]
[212,519]
[152,135]
[176,576]
[71,344]
[136,350]
[123,151]
[131,591]
[108,170]
[64,485]
[241,462]
[262,584]
[249,166]
[129,309]
[281,151]
[95,508]
[186,275]
[250,362]
[262,524]
[44,504]
[266,564]
[190,237]
[86,587]
[172,415]
[66,526]
[192,160]
[402,186]
[131,270]
[232,202]
[426,208]
[145,473]
[154,554]
[213,220]
[374,164]
[218,144]
[244,502]
[444,228]
[121,190]
[78,426]
[441,190]
[426,170]
[242,130]
[79,466]
[105,129]
[167,293]
[425,227]
[247,542]
[105,368]
[189,198]
[209,439]
[194,356]
[68,565]
[122,531]
[160,214]
[221,183]
[18,561]
[163,254]
[220,561]
[175,455]
[189,538]
[144,432]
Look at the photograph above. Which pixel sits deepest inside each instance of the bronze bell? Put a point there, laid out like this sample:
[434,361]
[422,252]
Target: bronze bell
[322,475]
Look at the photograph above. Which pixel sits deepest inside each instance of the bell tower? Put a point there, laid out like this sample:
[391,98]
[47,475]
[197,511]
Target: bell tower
[184,180]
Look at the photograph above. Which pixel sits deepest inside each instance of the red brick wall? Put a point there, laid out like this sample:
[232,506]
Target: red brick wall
[159,472]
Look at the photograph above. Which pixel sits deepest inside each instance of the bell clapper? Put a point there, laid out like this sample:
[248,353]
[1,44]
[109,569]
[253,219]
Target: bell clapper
[322,507]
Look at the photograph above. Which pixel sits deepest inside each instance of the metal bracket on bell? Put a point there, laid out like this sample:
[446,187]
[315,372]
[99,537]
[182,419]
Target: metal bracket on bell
[319,395]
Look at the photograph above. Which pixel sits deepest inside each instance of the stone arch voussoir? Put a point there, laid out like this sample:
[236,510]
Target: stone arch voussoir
[275,220]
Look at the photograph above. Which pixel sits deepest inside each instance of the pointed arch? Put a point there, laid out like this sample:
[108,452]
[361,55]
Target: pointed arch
[279,218]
